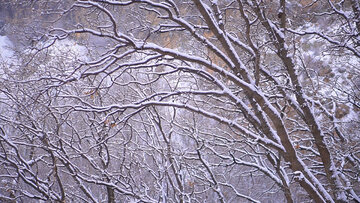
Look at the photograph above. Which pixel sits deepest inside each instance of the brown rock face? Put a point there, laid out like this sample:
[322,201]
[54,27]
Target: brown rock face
[341,111]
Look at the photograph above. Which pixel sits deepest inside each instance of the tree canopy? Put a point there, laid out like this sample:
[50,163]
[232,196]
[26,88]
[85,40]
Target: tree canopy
[180,101]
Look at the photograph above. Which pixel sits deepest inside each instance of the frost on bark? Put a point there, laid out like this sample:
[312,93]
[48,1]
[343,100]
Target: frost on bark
[179,101]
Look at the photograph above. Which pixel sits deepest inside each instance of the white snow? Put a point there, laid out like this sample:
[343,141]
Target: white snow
[5,49]
[7,56]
